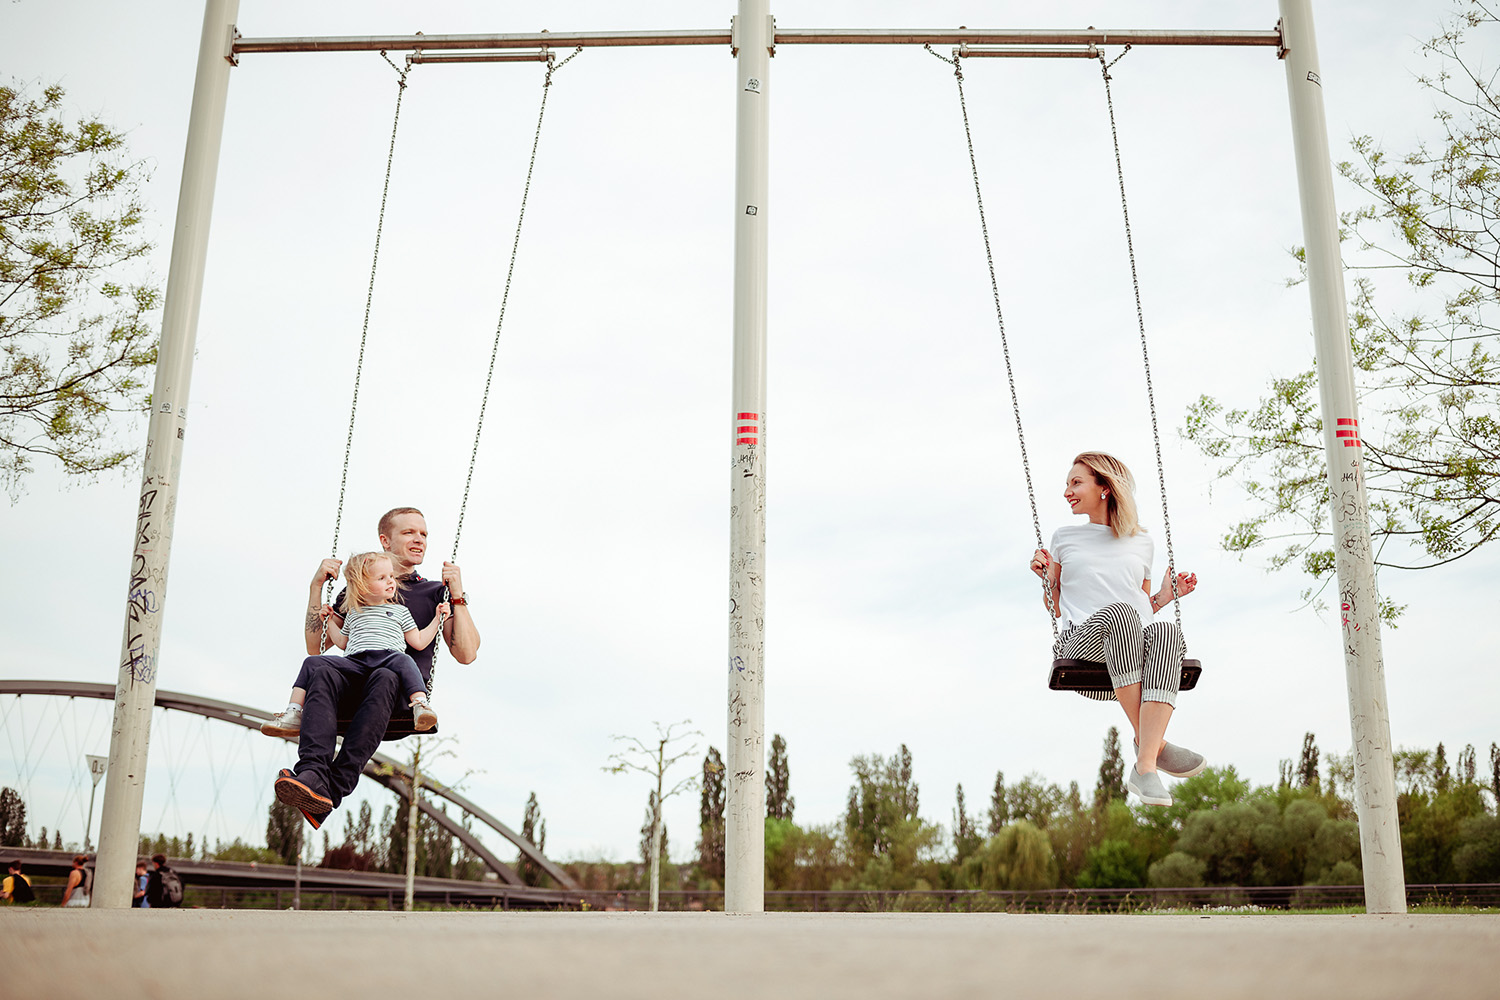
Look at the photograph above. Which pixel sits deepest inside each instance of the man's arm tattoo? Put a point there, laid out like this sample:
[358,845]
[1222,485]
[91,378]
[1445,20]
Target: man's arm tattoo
[314,621]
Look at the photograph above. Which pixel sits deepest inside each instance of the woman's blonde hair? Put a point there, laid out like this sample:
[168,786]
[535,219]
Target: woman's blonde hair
[1111,473]
[359,572]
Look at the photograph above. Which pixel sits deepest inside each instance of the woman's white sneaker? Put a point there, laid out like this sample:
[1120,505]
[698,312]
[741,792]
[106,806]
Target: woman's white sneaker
[287,723]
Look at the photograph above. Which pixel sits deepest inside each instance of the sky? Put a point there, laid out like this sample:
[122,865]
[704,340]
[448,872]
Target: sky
[594,548]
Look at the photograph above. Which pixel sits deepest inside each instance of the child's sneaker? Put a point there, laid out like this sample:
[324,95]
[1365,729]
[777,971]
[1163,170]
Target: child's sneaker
[287,723]
[423,717]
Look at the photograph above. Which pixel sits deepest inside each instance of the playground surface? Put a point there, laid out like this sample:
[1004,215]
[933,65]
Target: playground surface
[259,953]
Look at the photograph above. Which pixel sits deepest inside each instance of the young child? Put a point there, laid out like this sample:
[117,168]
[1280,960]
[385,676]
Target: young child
[376,632]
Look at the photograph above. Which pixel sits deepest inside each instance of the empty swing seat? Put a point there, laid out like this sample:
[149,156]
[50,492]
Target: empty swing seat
[1090,675]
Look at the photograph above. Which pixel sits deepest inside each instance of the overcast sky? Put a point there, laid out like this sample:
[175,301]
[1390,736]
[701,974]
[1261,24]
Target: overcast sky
[900,609]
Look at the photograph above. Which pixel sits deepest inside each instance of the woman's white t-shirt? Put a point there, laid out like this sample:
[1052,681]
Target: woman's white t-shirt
[1099,569]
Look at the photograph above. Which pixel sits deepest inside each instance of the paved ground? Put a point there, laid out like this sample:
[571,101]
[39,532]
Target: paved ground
[255,953]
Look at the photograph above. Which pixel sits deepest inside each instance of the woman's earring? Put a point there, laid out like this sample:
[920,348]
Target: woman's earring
[1101,496]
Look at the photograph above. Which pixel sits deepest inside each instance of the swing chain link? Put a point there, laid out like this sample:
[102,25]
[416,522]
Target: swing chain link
[1140,317]
[1010,375]
[364,335]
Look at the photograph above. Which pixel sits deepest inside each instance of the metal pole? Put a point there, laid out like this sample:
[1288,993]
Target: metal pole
[1369,718]
[135,690]
[744,872]
[97,767]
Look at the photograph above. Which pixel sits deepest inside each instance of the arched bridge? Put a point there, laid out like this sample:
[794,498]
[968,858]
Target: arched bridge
[390,773]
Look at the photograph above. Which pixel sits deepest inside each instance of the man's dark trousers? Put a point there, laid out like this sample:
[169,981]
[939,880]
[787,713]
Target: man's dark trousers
[328,681]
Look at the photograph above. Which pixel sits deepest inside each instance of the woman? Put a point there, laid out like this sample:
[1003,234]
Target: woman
[76,892]
[1097,579]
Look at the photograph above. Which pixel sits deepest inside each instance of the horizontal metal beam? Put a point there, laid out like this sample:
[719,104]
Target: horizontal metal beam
[797,36]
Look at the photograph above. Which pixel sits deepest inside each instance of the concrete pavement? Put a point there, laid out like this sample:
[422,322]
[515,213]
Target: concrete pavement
[169,954]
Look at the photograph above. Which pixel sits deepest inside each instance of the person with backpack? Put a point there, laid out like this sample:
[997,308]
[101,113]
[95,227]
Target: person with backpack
[163,886]
[76,892]
[16,887]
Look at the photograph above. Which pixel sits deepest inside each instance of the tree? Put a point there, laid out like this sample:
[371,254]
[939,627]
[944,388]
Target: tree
[1441,779]
[966,839]
[653,835]
[12,818]
[883,797]
[534,829]
[655,762]
[422,842]
[1495,773]
[1428,380]
[1111,783]
[711,815]
[1019,857]
[284,831]
[779,801]
[1307,764]
[1034,800]
[1467,768]
[999,810]
[75,340]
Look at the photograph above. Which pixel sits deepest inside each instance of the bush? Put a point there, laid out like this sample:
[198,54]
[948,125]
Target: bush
[1177,870]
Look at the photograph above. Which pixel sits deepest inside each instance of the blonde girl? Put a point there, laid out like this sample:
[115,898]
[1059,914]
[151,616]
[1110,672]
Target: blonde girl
[376,631]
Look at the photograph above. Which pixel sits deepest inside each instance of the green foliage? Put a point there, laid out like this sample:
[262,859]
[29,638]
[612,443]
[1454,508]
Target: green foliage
[1428,381]
[534,829]
[1111,783]
[1433,830]
[12,818]
[1177,870]
[798,859]
[711,814]
[1018,857]
[779,801]
[999,813]
[966,839]
[284,832]
[1477,857]
[75,335]
[238,850]
[886,844]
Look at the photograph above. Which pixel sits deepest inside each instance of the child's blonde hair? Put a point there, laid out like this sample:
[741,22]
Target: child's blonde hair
[1112,474]
[359,572]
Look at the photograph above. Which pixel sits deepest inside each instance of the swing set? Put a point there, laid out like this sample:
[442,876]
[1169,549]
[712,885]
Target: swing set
[752,39]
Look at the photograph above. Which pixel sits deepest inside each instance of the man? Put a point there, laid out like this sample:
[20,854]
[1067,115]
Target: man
[322,779]
[159,893]
[16,887]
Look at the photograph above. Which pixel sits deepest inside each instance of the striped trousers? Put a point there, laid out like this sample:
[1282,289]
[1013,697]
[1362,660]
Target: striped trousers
[1150,656]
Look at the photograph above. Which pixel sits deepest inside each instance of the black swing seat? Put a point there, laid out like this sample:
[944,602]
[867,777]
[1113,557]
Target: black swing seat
[399,727]
[1090,675]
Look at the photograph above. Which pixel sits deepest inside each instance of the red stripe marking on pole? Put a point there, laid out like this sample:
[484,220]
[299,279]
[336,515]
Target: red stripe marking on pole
[749,416]
[1346,434]
[1352,444]
[1348,421]
[747,429]
[746,441]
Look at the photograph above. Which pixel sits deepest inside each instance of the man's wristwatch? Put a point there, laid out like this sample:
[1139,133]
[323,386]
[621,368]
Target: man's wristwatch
[456,601]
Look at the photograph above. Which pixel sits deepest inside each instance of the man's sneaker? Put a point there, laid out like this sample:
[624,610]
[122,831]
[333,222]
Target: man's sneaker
[1149,787]
[423,717]
[287,723]
[316,819]
[1179,762]
[295,793]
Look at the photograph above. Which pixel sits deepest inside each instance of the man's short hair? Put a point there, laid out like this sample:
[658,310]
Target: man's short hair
[388,519]
[160,859]
[16,864]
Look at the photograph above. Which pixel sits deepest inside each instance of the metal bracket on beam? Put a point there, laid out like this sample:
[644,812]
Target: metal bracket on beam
[771,34]
[230,55]
[967,51]
[1281,47]
[734,36]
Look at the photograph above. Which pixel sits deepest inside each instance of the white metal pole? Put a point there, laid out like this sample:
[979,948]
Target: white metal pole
[1369,715]
[135,691]
[745,810]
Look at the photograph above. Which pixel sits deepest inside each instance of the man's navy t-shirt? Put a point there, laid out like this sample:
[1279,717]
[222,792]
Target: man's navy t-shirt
[421,598]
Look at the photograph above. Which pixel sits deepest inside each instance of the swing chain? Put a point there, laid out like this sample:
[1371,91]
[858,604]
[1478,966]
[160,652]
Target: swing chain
[364,334]
[1140,317]
[1010,375]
